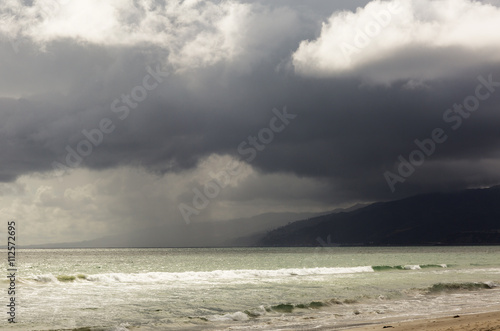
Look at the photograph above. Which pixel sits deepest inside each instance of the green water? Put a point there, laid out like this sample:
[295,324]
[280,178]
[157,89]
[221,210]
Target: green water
[211,288]
[208,259]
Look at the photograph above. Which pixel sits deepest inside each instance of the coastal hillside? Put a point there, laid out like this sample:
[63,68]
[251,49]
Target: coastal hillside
[467,217]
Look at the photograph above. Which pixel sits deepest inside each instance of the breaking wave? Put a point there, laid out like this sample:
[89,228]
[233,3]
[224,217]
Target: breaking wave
[158,277]
[229,275]
[408,267]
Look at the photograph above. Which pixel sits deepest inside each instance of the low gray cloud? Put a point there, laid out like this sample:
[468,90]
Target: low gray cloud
[217,84]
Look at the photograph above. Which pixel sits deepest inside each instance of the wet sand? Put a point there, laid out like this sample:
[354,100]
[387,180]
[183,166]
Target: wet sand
[466,322]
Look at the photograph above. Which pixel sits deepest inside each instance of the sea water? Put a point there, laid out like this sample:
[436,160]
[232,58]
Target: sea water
[247,288]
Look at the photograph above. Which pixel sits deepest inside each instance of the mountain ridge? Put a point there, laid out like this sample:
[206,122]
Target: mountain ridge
[466,217]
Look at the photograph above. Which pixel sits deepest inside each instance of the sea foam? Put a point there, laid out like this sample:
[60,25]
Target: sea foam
[202,276]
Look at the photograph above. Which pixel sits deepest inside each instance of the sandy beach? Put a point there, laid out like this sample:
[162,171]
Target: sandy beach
[467,322]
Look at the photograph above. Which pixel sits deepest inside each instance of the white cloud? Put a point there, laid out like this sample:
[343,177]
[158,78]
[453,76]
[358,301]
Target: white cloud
[193,33]
[411,39]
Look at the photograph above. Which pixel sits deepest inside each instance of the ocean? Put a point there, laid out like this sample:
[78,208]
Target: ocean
[248,288]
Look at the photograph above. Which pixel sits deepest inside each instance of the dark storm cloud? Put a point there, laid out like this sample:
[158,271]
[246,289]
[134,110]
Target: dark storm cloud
[347,132]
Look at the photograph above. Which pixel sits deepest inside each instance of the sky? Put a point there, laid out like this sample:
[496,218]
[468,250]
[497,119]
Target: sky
[123,115]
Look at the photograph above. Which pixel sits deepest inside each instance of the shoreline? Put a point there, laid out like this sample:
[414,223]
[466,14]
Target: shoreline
[461,321]
[485,318]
